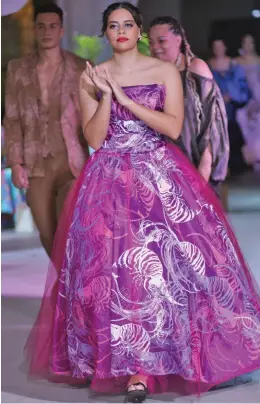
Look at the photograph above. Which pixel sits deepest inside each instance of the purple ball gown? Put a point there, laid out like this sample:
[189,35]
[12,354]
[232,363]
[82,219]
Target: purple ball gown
[146,275]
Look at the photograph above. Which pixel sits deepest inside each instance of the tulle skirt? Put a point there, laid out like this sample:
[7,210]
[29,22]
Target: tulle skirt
[146,277]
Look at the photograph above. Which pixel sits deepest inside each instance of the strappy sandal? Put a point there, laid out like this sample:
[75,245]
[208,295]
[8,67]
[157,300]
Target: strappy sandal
[136,396]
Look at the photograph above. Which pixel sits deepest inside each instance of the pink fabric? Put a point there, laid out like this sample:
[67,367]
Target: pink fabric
[146,275]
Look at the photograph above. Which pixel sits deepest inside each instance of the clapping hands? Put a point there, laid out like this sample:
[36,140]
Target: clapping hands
[106,84]
[98,77]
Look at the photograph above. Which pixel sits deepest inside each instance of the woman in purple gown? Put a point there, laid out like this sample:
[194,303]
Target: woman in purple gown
[147,289]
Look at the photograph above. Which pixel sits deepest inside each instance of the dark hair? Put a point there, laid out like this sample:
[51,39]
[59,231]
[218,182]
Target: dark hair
[49,8]
[136,14]
[176,28]
[215,38]
[247,34]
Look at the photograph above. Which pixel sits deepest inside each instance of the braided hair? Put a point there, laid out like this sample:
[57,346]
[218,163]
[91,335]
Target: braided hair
[176,28]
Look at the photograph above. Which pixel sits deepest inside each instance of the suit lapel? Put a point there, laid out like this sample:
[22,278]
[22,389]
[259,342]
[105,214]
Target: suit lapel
[68,83]
[33,91]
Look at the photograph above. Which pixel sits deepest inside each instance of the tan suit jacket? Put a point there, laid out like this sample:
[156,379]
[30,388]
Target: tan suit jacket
[22,119]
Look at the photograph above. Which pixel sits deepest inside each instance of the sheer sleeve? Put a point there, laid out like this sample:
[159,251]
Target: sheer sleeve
[214,128]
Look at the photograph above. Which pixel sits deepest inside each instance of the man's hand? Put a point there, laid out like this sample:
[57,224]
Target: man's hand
[77,160]
[20,176]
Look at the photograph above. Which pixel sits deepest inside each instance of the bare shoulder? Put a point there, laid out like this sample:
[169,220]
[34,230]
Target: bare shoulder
[169,68]
[149,61]
[160,65]
[198,66]
[170,74]
[150,64]
[164,71]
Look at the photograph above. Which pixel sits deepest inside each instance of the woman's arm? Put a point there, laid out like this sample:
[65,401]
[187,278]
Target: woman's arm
[95,114]
[213,139]
[205,165]
[169,122]
[199,67]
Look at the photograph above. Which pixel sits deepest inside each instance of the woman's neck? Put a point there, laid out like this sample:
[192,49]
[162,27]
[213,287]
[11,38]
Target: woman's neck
[221,58]
[126,61]
[220,63]
[249,56]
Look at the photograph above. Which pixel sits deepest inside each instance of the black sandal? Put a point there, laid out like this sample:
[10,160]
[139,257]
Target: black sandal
[136,396]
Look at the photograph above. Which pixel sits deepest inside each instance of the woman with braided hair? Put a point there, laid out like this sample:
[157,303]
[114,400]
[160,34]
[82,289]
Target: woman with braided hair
[204,136]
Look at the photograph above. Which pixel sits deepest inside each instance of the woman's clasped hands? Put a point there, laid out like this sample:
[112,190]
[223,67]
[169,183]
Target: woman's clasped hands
[102,79]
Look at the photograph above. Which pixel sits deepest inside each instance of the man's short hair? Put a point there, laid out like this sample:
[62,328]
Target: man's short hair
[49,8]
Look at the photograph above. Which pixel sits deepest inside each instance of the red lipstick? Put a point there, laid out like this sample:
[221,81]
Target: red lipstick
[122,39]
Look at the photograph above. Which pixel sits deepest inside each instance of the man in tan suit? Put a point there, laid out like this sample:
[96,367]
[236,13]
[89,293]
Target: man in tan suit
[42,122]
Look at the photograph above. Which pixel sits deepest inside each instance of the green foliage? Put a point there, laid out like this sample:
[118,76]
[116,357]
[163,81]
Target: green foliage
[88,47]
[143,45]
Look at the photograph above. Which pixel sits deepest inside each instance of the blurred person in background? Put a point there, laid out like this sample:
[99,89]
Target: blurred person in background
[42,122]
[232,82]
[249,116]
[204,137]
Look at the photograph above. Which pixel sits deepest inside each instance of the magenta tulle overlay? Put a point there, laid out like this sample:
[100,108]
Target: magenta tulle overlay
[146,274]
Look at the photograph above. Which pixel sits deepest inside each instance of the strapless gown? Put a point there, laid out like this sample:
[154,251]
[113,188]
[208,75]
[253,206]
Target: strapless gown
[146,274]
